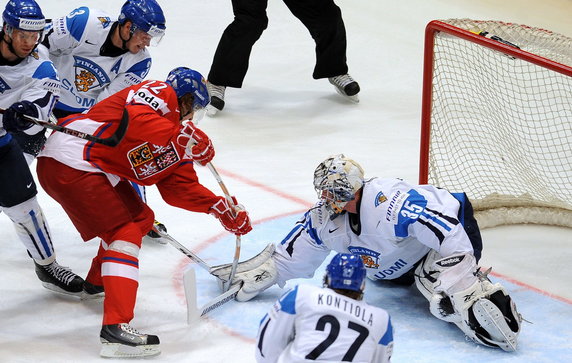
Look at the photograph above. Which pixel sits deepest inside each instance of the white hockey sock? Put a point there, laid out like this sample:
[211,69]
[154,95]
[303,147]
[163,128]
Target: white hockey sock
[33,230]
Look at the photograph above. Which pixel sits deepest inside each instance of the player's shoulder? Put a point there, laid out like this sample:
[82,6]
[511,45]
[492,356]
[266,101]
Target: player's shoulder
[83,20]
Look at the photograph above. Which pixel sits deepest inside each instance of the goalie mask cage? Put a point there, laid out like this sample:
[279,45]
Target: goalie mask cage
[497,119]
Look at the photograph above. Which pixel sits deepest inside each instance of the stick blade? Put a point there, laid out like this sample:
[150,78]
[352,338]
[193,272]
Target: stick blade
[190,285]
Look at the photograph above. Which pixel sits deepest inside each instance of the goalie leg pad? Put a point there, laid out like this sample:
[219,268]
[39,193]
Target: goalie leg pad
[489,316]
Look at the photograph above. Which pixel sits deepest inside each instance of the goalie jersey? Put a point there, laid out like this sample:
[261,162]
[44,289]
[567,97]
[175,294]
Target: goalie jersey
[397,224]
[90,67]
[311,324]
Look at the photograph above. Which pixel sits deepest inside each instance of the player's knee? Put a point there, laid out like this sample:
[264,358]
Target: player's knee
[129,232]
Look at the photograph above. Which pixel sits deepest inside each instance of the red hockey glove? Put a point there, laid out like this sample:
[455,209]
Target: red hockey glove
[197,144]
[239,223]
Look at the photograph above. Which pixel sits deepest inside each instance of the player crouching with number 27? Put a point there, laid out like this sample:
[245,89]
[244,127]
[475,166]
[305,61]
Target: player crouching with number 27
[404,234]
[91,182]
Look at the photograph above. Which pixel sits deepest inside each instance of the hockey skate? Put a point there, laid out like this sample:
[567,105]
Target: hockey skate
[123,341]
[59,279]
[346,86]
[91,291]
[217,99]
[154,234]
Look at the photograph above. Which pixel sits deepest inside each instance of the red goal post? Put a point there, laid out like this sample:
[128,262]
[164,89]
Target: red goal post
[497,119]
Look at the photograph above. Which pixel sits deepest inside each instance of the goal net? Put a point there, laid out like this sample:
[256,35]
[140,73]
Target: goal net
[497,119]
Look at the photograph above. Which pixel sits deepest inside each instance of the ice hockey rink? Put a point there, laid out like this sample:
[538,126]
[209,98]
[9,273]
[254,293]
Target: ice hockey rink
[270,137]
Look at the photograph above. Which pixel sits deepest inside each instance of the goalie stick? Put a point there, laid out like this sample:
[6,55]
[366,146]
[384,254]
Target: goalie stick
[112,140]
[190,285]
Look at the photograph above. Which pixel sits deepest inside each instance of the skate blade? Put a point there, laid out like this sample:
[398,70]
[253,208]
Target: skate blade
[116,350]
[85,296]
[159,240]
[59,290]
[354,98]
[211,110]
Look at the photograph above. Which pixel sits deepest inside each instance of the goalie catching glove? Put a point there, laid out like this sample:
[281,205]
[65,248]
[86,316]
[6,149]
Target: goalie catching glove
[256,274]
[197,144]
[233,218]
[458,292]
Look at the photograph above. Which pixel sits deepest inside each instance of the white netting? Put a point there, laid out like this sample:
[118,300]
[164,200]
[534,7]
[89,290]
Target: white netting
[501,127]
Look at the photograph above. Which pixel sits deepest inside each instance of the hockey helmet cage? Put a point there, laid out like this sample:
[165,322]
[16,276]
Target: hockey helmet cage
[24,15]
[345,272]
[146,15]
[336,180]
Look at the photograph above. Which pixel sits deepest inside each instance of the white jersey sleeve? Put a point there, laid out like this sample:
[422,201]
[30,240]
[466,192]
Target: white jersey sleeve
[33,79]
[311,324]
[89,71]
[301,252]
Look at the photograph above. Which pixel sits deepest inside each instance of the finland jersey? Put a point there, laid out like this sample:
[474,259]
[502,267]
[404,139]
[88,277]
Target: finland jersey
[397,224]
[88,76]
[33,79]
[310,324]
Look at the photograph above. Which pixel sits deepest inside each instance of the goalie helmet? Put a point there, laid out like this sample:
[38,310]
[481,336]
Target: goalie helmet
[146,15]
[345,272]
[24,15]
[336,180]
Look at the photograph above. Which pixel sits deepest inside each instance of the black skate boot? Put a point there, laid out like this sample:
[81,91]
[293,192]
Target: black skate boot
[123,341]
[346,86]
[59,279]
[157,234]
[91,291]
[217,98]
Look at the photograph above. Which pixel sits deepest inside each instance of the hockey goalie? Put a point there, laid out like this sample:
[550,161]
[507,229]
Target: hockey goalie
[404,234]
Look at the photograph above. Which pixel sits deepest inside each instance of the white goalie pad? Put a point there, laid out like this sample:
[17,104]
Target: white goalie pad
[492,320]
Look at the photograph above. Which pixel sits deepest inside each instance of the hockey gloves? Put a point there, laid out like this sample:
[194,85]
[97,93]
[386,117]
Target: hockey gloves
[14,119]
[235,221]
[197,144]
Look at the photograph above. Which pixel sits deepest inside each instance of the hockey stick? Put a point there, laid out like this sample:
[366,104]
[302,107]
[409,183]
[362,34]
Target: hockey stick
[193,311]
[228,284]
[189,283]
[112,140]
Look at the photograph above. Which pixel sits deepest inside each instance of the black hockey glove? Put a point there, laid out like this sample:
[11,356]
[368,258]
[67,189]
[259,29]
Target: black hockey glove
[14,119]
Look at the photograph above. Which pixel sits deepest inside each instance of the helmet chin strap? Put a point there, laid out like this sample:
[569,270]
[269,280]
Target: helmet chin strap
[124,41]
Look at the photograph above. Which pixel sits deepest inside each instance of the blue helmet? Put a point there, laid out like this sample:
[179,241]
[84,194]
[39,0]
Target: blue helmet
[185,80]
[146,15]
[24,15]
[346,272]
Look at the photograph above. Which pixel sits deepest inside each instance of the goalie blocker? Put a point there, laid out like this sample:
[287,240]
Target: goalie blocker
[458,292]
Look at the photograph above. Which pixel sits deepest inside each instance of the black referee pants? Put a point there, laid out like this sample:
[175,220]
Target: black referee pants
[322,18]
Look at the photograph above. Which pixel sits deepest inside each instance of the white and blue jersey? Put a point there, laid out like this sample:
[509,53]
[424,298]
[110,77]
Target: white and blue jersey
[32,79]
[397,224]
[311,324]
[90,67]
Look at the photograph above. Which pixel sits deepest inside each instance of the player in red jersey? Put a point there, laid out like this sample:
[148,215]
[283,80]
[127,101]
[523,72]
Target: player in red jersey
[91,182]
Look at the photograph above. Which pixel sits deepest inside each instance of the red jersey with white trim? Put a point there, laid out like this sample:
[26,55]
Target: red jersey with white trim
[148,154]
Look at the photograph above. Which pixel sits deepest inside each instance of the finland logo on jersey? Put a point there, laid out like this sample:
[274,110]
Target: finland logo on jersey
[379,198]
[148,159]
[4,86]
[370,258]
[105,21]
[88,75]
